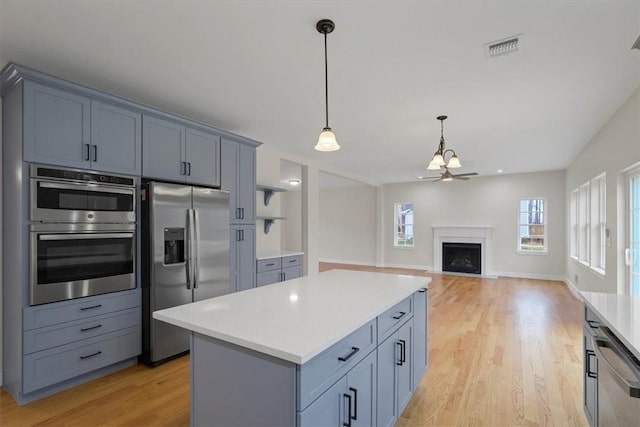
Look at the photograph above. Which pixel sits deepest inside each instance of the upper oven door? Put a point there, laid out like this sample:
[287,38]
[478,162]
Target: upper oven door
[53,201]
[67,265]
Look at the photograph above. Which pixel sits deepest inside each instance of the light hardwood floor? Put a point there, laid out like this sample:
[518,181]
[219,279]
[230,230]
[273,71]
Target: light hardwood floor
[502,352]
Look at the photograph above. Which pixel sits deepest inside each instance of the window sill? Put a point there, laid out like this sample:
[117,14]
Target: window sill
[598,272]
[403,247]
[521,252]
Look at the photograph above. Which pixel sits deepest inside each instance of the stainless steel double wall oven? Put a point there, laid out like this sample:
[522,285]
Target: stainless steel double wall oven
[82,227]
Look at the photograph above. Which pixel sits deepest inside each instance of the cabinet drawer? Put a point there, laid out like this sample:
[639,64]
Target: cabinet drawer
[291,261]
[291,273]
[394,317]
[268,277]
[53,336]
[317,375]
[55,365]
[268,264]
[40,316]
[591,320]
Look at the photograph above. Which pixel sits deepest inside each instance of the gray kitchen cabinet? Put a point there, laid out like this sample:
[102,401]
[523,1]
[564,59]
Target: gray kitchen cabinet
[177,153]
[242,254]
[328,410]
[420,349]
[590,371]
[278,269]
[116,139]
[67,129]
[238,177]
[56,126]
[395,385]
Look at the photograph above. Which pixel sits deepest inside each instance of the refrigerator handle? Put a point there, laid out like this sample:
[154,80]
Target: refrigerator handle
[196,255]
[188,249]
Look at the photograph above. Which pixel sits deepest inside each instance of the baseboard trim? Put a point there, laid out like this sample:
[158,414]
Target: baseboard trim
[530,276]
[426,268]
[343,261]
[573,289]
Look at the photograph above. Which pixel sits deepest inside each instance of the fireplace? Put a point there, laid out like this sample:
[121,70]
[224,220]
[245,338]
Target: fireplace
[462,257]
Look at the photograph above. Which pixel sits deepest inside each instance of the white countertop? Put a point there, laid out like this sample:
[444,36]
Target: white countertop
[297,319]
[620,313]
[276,254]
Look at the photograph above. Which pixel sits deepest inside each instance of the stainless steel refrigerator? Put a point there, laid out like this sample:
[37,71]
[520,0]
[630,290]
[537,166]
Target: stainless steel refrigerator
[185,256]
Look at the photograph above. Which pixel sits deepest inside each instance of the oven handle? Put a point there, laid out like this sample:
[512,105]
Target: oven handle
[632,388]
[100,188]
[85,236]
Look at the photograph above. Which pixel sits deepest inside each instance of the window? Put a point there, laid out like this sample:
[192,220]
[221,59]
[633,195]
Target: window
[532,226]
[598,222]
[574,224]
[632,252]
[583,223]
[403,225]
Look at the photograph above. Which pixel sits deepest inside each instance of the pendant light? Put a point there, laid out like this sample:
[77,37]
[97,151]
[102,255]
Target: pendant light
[327,140]
[438,159]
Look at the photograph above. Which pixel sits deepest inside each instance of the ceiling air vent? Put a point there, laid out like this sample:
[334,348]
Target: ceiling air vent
[502,47]
[636,45]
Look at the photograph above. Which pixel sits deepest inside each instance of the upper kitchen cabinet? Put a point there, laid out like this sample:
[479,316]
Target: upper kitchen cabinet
[177,153]
[67,129]
[238,173]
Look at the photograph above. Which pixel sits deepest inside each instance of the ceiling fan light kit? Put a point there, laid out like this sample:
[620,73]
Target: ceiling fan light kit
[439,161]
[327,140]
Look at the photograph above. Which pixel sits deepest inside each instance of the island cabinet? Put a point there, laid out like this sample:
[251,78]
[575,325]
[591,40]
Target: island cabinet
[65,128]
[175,152]
[590,371]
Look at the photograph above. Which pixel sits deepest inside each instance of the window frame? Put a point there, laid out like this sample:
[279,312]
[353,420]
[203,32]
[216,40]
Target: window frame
[629,242]
[396,225]
[598,224]
[545,236]
[584,229]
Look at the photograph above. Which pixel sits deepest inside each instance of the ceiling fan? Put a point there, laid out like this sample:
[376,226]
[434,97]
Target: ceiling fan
[448,176]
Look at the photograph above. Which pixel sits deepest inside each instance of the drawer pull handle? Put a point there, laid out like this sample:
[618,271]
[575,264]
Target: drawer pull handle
[352,353]
[422,290]
[269,265]
[593,324]
[293,260]
[399,316]
[91,307]
[90,328]
[90,355]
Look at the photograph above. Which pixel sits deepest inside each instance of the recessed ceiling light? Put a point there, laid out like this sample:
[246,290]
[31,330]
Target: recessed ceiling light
[294,182]
[499,171]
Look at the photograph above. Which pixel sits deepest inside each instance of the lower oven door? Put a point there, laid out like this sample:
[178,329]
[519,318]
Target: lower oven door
[68,265]
[618,383]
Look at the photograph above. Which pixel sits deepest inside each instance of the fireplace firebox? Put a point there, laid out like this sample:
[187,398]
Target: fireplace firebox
[462,257]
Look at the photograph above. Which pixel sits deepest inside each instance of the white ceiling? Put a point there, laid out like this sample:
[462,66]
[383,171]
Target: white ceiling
[256,68]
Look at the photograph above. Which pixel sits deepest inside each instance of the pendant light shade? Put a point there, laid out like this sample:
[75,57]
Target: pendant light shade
[327,140]
[438,160]
[454,162]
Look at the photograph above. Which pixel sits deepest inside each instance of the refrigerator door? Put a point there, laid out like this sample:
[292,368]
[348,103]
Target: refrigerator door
[211,251]
[169,223]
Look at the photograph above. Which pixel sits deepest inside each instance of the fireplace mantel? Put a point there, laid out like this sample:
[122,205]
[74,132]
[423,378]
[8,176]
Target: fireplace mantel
[463,234]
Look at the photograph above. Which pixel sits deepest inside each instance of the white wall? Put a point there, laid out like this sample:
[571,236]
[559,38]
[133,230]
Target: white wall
[615,148]
[268,173]
[348,224]
[481,201]
[291,205]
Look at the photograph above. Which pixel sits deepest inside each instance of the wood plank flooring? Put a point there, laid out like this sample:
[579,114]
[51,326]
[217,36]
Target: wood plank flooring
[502,352]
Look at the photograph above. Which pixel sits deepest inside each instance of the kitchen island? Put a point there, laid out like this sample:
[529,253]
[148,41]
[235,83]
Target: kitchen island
[337,348]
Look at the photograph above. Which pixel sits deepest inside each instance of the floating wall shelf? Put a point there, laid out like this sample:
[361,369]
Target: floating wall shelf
[269,192]
[269,220]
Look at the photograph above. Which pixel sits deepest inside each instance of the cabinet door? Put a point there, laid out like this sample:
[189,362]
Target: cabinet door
[164,146]
[247,184]
[590,396]
[388,356]
[229,176]
[116,139]
[404,384]
[291,273]
[203,158]
[420,351]
[328,410]
[233,258]
[268,277]
[361,385]
[56,126]
[246,261]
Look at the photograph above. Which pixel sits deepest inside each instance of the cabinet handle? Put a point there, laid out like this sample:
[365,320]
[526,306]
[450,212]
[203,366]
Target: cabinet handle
[90,328]
[241,213]
[403,346]
[587,367]
[238,213]
[86,153]
[284,277]
[349,418]
[352,353]
[293,260]
[270,265]
[91,307]
[399,361]
[90,355]
[183,168]
[422,290]
[399,316]
[189,168]
[355,404]
[242,234]
[593,324]
[95,153]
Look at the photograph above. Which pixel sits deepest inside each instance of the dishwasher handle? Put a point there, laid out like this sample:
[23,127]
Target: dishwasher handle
[631,387]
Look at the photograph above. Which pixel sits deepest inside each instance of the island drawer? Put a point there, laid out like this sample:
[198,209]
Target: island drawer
[291,261]
[317,375]
[57,335]
[394,317]
[592,320]
[58,364]
[40,316]
[268,264]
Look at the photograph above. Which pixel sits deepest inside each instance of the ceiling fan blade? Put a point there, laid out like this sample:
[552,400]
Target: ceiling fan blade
[466,174]
[461,178]
[430,178]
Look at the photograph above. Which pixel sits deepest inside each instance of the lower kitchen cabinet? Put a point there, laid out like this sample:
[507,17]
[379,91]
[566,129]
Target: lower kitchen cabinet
[395,382]
[420,350]
[590,371]
[242,255]
[278,269]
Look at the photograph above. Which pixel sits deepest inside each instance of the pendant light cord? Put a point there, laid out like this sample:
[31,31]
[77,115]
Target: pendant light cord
[326,82]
